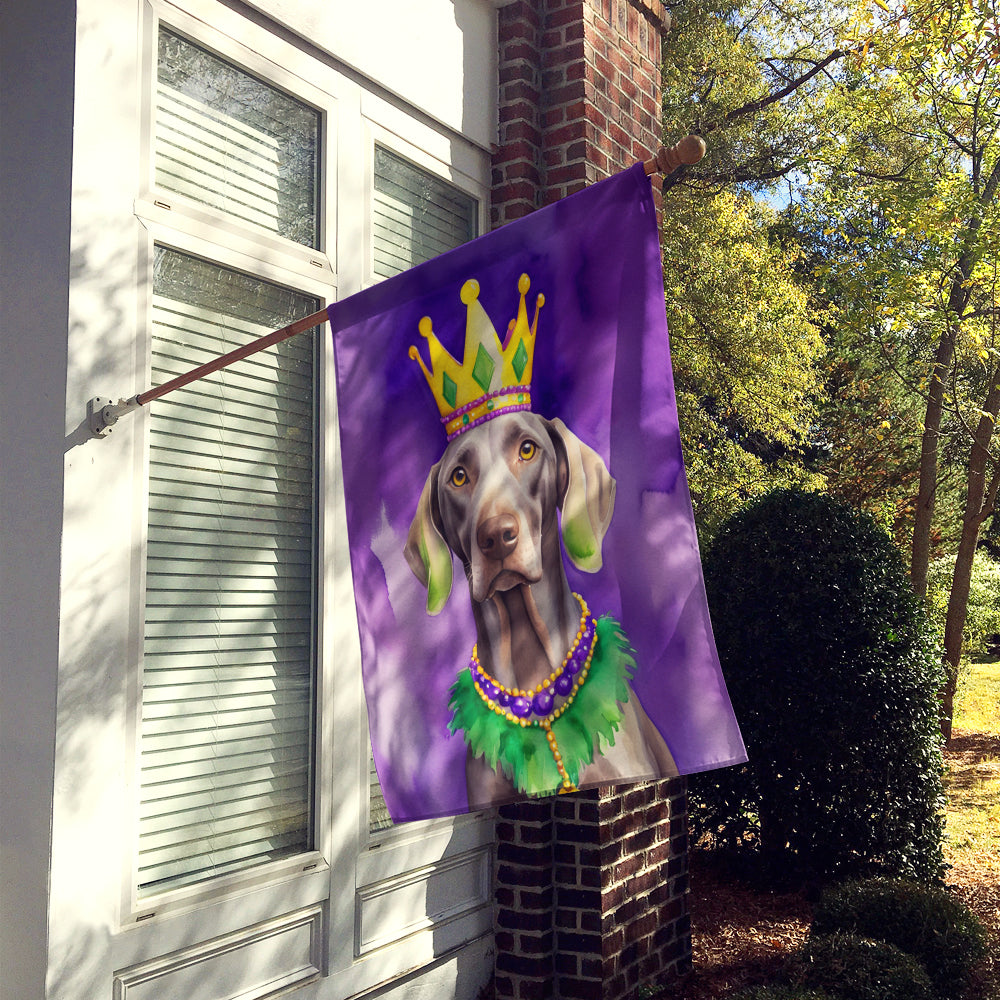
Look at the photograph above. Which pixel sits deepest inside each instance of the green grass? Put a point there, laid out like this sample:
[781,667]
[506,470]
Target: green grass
[977,708]
[973,783]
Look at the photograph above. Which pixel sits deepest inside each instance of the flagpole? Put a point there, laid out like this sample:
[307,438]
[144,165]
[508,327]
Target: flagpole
[260,344]
[103,413]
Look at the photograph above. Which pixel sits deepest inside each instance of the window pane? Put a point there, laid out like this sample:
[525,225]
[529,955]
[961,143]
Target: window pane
[228,657]
[228,140]
[416,217]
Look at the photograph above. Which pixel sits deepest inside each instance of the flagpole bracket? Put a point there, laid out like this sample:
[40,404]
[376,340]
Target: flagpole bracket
[103,413]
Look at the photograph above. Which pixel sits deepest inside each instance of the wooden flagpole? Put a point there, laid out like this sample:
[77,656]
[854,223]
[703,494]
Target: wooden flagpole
[260,344]
[102,413]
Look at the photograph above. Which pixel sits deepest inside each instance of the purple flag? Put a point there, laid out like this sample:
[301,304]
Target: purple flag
[527,580]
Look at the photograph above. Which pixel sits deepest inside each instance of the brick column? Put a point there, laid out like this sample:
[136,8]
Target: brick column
[591,893]
[579,96]
[621,885]
[591,888]
[524,901]
[517,159]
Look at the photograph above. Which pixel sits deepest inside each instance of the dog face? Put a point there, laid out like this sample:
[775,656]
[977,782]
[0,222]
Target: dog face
[497,496]
[494,496]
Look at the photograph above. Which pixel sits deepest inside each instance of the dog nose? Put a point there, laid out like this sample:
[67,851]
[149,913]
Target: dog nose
[497,536]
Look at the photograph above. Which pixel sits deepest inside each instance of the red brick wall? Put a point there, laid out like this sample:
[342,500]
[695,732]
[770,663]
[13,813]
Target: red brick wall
[591,892]
[591,888]
[579,96]
[525,902]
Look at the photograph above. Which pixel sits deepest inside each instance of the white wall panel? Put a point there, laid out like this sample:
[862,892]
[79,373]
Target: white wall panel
[36,106]
[254,964]
[390,910]
[418,51]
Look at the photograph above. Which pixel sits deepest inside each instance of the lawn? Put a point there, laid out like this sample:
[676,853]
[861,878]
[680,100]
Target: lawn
[742,935]
[973,810]
[978,701]
[974,770]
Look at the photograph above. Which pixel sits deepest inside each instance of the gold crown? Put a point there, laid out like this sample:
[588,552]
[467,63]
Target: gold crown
[493,378]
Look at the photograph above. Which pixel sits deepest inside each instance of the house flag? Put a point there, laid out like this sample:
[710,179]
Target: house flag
[527,581]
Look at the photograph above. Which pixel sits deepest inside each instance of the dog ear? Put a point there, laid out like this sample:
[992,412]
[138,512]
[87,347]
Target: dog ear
[426,550]
[588,498]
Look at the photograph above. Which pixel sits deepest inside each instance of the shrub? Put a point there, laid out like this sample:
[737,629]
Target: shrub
[856,968]
[925,922]
[833,673]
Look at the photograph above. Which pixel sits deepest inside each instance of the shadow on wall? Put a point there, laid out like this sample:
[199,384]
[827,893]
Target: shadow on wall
[471,972]
[89,813]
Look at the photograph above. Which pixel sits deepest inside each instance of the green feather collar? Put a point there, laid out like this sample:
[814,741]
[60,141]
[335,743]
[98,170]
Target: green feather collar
[587,725]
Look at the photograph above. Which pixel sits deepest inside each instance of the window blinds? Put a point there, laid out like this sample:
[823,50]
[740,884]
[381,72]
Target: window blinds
[227,681]
[416,216]
[230,141]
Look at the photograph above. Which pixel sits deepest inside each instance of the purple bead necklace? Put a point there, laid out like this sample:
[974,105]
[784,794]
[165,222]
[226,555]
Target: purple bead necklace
[519,706]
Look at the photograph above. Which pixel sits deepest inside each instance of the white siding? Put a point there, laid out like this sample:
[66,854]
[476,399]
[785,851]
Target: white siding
[437,55]
[36,108]
[76,321]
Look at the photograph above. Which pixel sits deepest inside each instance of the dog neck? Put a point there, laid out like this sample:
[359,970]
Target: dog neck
[523,634]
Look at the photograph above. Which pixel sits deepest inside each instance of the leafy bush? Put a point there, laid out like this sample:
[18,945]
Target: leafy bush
[925,922]
[983,612]
[856,968]
[833,673]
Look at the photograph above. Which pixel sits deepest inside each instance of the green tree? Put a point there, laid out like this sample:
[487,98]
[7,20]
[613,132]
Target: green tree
[910,179]
[869,427]
[747,77]
[982,620]
[747,358]
[866,438]
[747,352]
[881,119]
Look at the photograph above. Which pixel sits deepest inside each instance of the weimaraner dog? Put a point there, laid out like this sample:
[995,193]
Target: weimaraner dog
[494,500]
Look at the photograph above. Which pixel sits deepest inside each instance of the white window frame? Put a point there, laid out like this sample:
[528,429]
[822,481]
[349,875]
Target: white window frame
[138,909]
[389,128]
[181,224]
[274,61]
[350,871]
[387,858]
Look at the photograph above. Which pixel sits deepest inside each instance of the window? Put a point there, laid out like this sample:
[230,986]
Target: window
[229,647]
[416,216]
[227,140]
[253,802]
[228,689]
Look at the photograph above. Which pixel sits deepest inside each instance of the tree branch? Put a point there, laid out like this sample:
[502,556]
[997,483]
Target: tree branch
[723,178]
[872,175]
[754,106]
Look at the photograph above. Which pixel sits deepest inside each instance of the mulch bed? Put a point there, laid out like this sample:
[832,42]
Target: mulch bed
[979,889]
[742,934]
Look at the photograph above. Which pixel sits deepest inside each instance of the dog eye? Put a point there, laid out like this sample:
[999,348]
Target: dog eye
[459,477]
[527,451]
